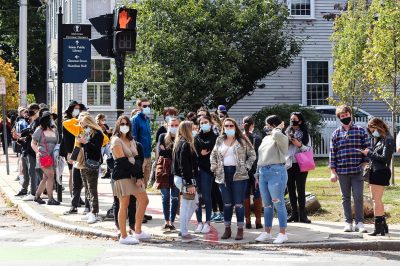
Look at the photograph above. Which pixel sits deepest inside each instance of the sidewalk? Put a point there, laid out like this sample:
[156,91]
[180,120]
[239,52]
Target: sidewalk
[318,234]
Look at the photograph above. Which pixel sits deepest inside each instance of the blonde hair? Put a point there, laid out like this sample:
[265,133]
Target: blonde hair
[185,133]
[88,121]
[168,137]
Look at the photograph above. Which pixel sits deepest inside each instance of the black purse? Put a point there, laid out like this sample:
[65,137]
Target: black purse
[91,164]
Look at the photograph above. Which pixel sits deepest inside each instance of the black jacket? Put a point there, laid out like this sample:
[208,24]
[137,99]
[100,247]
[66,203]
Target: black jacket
[205,141]
[93,147]
[184,162]
[167,153]
[67,142]
[256,142]
[381,153]
[123,169]
[28,139]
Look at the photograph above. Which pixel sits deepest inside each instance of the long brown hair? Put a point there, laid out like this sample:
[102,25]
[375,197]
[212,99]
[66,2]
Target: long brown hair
[185,133]
[238,133]
[378,124]
[117,130]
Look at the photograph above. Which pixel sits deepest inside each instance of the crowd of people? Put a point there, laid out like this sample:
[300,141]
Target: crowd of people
[202,161]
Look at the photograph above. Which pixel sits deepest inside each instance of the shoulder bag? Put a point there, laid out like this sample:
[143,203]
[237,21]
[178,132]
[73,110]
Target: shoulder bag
[46,161]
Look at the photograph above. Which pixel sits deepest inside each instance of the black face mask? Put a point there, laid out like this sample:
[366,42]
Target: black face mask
[267,130]
[346,121]
[31,113]
[294,123]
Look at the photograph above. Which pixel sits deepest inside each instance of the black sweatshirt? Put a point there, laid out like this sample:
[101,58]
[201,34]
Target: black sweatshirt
[205,141]
[184,162]
[93,147]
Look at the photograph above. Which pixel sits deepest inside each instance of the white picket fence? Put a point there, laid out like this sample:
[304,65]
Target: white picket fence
[331,124]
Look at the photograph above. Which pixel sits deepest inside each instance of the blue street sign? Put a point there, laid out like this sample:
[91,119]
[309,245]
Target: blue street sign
[76,63]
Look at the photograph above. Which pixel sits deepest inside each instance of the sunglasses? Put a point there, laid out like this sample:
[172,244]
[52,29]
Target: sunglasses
[229,126]
[145,106]
[123,124]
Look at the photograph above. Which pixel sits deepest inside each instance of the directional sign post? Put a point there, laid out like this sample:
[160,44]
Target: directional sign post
[77,60]
[3,93]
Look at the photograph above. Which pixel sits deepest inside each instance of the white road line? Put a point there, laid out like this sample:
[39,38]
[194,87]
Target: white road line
[211,259]
[4,233]
[44,241]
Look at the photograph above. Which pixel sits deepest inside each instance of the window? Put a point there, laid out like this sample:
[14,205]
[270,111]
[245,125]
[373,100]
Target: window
[99,87]
[301,8]
[96,8]
[317,82]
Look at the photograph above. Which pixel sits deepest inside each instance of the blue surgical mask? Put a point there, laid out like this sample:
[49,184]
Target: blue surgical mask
[194,133]
[376,134]
[87,130]
[146,111]
[205,127]
[173,130]
[167,118]
[75,113]
[230,132]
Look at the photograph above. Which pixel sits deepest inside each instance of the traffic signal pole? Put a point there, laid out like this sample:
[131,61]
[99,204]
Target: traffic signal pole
[120,65]
[60,77]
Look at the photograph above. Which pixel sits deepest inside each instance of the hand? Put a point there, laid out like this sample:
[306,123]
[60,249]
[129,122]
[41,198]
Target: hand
[123,19]
[191,190]
[204,152]
[82,140]
[296,142]
[257,183]
[334,178]
[365,152]
[69,158]
[139,183]
[162,147]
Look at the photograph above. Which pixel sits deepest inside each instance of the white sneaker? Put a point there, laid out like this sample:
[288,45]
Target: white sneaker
[199,228]
[142,235]
[29,197]
[281,238]
[85,216]
[129,240]
[91,218]
[348,227]
[360,228]
[206,228]
[264,236]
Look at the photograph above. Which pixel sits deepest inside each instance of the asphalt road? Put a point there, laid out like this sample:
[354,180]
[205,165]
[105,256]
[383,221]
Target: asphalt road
[24,243]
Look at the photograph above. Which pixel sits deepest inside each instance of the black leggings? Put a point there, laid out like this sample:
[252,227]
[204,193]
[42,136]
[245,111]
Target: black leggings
[297,183]
[131,211]
[77,189]
[216,198]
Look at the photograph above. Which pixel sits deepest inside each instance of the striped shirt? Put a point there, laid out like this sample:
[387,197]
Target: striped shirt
[343,154]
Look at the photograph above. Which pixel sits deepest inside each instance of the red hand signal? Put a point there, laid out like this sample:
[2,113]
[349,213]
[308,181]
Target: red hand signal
[123,19]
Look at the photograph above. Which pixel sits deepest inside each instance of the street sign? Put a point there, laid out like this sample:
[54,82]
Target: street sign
[3,86]
[82,31]
[77,60]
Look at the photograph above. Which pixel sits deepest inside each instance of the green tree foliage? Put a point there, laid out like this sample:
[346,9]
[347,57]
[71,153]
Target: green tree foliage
[349,42]
[192,53]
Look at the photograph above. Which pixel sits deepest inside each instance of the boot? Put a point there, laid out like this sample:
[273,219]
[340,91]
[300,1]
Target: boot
[385,226]
[239,234]
[227,234]
[294,216]
[258,212]
[303,216]
[379,228]
[247,213]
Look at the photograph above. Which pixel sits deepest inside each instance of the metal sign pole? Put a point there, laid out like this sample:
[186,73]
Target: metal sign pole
[5,134]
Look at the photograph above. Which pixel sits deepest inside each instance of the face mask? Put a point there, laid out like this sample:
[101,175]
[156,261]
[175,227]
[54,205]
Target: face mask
[167,118]
[294,123]
[194,133]
[173,130]
[87,130]
[376,134]
[124,129]
[205,127]
[346,121]
[230,132]
[75,113]
[267,130]
[146,111]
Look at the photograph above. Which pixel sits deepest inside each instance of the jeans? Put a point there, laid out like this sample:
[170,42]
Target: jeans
[273,180]
[297,183]
[34,174]
[186,210]
[204,188]
[355,183]
[170,199]
[233,193]
[131,212]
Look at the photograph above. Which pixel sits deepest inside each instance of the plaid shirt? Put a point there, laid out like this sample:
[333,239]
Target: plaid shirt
[343,154]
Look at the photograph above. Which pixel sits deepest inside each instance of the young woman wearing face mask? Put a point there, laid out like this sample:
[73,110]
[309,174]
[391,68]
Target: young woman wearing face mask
[248,125]
[379,176]
[91,142]
[298,142]
[273,177]
[204,143]
[164,176]
[231,160]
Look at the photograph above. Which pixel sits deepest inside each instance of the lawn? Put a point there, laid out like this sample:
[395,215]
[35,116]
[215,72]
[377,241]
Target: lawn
[328,194]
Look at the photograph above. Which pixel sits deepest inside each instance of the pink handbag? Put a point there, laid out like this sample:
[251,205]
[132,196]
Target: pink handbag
[305,160]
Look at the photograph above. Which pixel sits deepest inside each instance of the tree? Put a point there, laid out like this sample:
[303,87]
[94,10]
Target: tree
[12,95]
[193,53]
[349,41]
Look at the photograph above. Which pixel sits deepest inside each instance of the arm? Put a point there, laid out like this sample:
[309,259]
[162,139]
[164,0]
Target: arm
[139,159]
[116,148]
[135,129]
[214,158]
[95,142]
[332,159]
[366,145]
[280,138]
[251,156]
[387,152]
[186,163]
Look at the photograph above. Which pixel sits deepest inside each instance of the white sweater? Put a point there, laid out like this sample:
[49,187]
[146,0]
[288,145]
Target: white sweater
[273,149]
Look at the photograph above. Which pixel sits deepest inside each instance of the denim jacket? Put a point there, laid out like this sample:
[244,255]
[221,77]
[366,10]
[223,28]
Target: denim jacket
[245,156]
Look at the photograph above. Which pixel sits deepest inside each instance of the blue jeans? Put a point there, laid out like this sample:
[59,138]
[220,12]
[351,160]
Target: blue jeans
[273,180]
[204,187]
[170,202]
[233,193]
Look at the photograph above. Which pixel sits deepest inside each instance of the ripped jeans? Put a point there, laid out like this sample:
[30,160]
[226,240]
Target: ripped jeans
[233,194]
[273,180]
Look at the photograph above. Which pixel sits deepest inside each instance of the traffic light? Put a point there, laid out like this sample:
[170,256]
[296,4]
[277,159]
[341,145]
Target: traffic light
[104,25]
[124,39]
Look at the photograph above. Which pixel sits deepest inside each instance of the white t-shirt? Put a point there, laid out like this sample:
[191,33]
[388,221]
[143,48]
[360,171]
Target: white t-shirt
[229,155]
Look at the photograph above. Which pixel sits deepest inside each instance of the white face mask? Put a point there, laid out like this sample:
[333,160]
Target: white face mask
[75,113]
[147,111]
[87,130]
[124,129]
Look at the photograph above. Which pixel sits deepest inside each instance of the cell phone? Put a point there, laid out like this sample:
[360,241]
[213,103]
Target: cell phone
[359,150]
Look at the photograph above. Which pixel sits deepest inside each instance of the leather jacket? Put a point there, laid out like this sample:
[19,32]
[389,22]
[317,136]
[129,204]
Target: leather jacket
[381,153]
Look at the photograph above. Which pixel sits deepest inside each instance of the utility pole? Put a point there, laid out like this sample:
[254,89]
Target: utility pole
[60,77]
[23,51]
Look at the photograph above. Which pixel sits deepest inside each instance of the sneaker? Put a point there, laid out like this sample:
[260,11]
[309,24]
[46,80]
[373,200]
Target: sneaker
[142,235]
[189,238]
[199,228]
[22,192]
[360,228]
[148,217]
[52,202]
[172,228]
[106,175]
[348,227]
[73,210]
[39,201]
[165,227]
[264,236]
[219,218]
[206,229]
[29,197]
[86,211]
[281,238]
[85,216]
[213,216]
[129,240]
[91,218]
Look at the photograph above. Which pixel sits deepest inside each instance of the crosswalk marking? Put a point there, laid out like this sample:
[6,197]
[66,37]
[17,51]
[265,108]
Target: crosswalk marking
[44,241]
